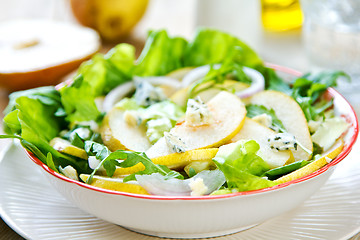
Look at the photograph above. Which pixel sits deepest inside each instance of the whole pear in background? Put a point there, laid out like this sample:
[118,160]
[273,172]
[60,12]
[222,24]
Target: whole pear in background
[113,19]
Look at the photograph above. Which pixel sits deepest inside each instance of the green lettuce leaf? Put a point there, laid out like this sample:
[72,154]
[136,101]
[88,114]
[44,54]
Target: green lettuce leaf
[47,95]
[161,54]
[241,166]
[96,78]
[36,124]
[212,46]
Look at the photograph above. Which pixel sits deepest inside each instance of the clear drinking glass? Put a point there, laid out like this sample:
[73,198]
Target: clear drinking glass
[331,35]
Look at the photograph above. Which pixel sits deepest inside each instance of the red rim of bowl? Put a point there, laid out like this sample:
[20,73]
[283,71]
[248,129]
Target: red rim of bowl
[341,156]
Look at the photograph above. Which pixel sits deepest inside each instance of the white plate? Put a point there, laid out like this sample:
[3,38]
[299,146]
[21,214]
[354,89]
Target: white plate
[36,211]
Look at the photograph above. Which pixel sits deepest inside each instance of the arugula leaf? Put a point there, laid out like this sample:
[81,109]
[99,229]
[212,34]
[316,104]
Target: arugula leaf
[60,159]
[308,89]
[50,162]
[255,110]
[228,69]
[134,158]
[98,150]
[77,141]
[109,160]
[273,81]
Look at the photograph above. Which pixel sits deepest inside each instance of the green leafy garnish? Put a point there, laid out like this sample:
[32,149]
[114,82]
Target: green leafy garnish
[50,162]
[273,81]
[308,89]
[255,110]
[215,77]
[109,160]
[317,149]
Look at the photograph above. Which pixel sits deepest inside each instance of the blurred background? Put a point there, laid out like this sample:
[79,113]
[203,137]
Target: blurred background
[306,35]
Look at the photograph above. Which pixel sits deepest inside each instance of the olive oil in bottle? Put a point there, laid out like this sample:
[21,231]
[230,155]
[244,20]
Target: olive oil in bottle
[281,15]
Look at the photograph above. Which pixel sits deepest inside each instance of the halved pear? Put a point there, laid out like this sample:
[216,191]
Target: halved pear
[66,147]
[315,165]
[291,115]
[228,114]
[181,96]
[40,52]
[117,134]
[253,130]
[115,184]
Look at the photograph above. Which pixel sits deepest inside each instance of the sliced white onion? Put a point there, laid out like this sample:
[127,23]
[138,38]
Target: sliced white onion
[257,85]
[117,94]
[196,74]
[161,80]
[125,89]
[157,185]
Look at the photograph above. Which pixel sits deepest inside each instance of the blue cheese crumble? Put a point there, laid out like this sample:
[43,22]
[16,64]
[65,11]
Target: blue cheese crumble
[146,94]
[197,113]
[174,143]
[283,141]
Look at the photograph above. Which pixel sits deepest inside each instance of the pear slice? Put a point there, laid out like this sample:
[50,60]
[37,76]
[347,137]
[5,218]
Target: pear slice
[181,96]
[253,130]
[180,73]
[228,113]
[172,161]
[117,134]
[180,160]
[115,184]
[315,165]
[119,171]
[66,147]
[292,117]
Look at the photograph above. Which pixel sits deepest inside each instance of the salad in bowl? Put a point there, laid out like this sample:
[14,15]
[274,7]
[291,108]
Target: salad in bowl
[188,120]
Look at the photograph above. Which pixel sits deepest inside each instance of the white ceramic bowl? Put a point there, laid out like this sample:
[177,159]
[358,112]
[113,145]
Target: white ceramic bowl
[205,216]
